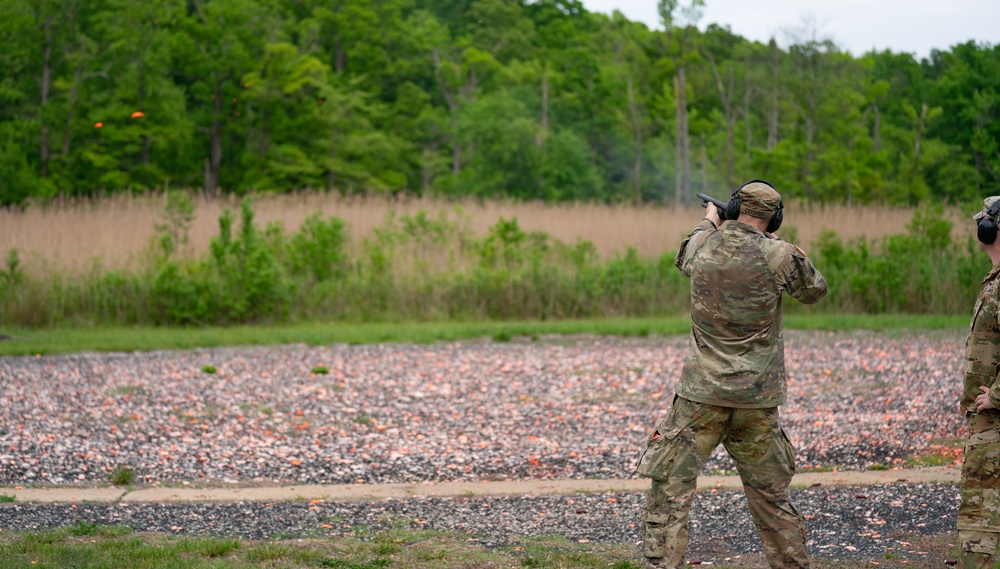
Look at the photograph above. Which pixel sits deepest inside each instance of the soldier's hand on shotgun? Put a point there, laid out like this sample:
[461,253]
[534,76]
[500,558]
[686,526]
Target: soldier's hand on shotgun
[715,210]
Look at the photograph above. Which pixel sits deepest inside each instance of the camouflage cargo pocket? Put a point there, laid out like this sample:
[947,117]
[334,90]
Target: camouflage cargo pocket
[660,453]
[979,508]
[789,452]
[661,449]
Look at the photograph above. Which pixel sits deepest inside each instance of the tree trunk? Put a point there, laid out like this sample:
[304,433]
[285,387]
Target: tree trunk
[425,171]
[876,136]
[68,133]
[685,135]
[147,141]
[545,102]
[331,176]
[637,132]
[728,116]
[730,145]
[51,18]
[454,101]
[772,119]
[810,155]
[678,162]
[919,134]
[207,176]
[748,130]
[704,166]
[340,59]
[46,87]
[212,179]
[339,56]
[850,173]
[456,151]
[543,130]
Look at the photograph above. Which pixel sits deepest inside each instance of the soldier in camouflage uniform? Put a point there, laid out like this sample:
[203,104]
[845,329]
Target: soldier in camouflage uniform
[979,510]
[732,382]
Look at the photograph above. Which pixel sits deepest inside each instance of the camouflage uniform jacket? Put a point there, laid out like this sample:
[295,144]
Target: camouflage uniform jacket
[736,353]
[982,348]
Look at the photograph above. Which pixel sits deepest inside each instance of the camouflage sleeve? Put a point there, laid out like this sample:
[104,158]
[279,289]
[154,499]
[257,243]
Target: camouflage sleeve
[988,350]
[795,272]
[692,243]
[982,349]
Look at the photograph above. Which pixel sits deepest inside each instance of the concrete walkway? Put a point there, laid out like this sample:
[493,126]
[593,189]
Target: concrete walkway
[362,492]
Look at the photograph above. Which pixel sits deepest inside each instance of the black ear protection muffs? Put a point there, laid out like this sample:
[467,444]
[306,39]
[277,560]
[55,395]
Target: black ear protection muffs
[733,208]
[986,229]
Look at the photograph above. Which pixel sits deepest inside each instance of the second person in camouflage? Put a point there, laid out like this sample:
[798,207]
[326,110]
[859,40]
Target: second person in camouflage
[979,508]
[733,381]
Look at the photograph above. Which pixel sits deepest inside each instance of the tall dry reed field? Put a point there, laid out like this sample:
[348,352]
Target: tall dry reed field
[95,262]
[112,231]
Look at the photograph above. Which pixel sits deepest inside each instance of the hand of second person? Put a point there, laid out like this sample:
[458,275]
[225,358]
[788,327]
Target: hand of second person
[983,400]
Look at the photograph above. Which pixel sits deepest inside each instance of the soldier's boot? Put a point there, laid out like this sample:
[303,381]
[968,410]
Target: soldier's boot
[978,548]
[655,563]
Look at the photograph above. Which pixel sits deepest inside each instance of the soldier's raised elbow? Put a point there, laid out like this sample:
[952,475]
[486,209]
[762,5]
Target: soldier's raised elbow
[813,296]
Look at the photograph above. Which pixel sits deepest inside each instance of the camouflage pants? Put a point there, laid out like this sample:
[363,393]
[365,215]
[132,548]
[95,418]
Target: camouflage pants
[979,509]
[674,456]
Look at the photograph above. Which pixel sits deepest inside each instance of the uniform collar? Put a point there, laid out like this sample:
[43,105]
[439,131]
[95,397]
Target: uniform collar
[744,227]
[993,273]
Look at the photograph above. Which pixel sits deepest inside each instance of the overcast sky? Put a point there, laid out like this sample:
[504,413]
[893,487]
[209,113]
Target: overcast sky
[914,26]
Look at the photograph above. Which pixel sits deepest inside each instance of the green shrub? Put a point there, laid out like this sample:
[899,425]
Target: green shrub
[122,476]
[252,284]
[13,273]
[919,272]
[214,546]
[184,293]
[83,528]
[317,250]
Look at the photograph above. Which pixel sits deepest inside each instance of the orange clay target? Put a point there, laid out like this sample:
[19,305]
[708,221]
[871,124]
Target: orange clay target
[98,125]
[138,114]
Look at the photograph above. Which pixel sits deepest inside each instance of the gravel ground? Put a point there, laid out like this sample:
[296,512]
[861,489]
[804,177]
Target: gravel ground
[472,410]
[861,522]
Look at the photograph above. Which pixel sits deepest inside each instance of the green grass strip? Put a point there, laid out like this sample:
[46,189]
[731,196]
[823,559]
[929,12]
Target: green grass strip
[88,545]
[877,322]
[124,339]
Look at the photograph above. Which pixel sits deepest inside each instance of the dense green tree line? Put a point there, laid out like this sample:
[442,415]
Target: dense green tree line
[529,99]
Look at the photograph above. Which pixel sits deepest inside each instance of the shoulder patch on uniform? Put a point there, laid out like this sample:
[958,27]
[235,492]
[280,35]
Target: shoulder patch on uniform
[776,253]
